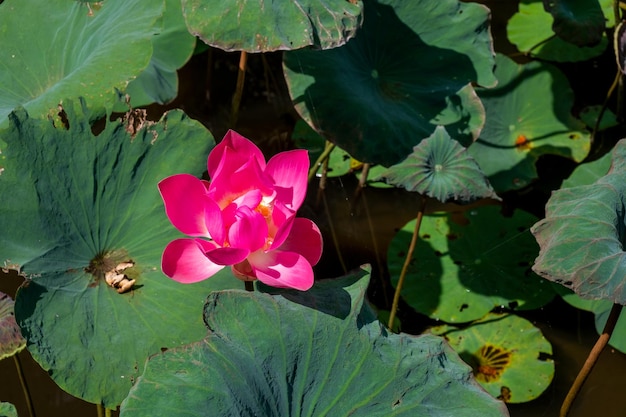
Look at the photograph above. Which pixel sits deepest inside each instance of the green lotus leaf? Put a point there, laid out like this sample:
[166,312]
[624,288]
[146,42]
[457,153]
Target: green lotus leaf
[467,263]
[99,211]
[580,22]
[407,71]
[11,340]
[440,167]
[172,48]
[7,410]
[581,238]
[240,25]
[589,115]
[59,49]
[315,353]
[509,356]
[520,127]
[542,42]
[589,172]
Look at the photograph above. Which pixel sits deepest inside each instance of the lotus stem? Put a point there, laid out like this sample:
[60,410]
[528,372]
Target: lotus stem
[241,76]
[407,261]
[25,390]
[100,410]
[249,285]
[320,160]
[597,349]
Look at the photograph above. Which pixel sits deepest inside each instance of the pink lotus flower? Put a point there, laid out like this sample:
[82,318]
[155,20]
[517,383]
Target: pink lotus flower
[244,217]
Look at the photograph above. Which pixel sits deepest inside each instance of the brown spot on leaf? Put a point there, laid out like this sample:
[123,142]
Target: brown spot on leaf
[492,361]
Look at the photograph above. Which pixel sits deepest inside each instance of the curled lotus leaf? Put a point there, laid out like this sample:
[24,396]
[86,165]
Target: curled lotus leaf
[11,340]
[440,167]
[581,238]
[316,353]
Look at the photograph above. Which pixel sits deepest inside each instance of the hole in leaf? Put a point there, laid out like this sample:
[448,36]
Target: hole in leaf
[544,357]
[505,394]
[438,254]
[513,305]
[463,307]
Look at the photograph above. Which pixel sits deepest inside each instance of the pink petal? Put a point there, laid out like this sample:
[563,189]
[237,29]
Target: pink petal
[290,171]
[241,150]
[279,228]
[228,185]
[249,230]
[184,260]
[185,197]
[227,256]
[304,238]
[282,269]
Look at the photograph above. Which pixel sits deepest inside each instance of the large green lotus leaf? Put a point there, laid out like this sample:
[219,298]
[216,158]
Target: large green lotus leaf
[589,172]
[509,356]
[317,353]
[7,410]
[407,71]
[99,207]
[257,26]
[467,263]
[11,340]
[172,48]
[580,22]
[542,42]
[440,167]
[582,236]
[521,127]
[58,49]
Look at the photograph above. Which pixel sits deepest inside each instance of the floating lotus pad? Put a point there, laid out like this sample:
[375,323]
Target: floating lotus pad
[541,41]
[581,236]
[406,71]
[510,357]
[441,168]
[59,49]
[98,210]
[315,353]
[467,263]
[240,25]
[580,22]
[11,340]
[521,127]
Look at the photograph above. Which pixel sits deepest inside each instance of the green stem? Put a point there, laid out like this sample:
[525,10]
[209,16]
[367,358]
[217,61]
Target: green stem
[25,390]
[407,261]
[592,359]
[320,160]
[100,410]
[241,76]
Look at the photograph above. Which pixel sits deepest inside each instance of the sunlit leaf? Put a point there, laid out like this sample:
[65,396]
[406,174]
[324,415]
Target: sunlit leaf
[510,357]
[408,70]
[440,167]
[57,49]
[11,340]
[528,115]
[467,263]
[542,42]
[315,353]
[581,238]
[253,26]
[97,209]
